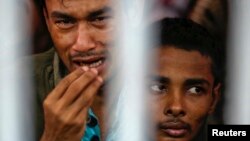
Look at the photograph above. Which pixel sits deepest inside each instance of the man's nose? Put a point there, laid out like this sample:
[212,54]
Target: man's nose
[85,39]
[175,105]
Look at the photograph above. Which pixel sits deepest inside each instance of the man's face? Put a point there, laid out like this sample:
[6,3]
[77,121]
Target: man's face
[81,32]
[182,93]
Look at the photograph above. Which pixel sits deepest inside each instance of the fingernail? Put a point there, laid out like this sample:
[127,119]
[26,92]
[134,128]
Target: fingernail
[94,71]
[85,68]
[100,79]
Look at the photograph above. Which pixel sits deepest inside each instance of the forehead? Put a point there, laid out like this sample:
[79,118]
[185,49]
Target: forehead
[79,6]
[178,62]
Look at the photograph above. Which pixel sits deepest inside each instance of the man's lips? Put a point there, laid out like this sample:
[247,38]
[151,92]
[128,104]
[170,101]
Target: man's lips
[175,129]
[90,61]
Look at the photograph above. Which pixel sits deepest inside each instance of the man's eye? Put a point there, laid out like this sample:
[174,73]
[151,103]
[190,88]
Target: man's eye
[195,90]
[64,23]
[158,88]
[101,21]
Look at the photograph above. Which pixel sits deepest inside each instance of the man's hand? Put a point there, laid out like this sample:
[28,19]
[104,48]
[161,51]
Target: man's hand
[66,107]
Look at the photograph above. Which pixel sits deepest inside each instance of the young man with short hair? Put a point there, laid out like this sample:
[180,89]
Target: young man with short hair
[185,84]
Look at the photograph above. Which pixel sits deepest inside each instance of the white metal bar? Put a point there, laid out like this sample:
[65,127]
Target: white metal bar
[16,109]
[237,107]
[130,116]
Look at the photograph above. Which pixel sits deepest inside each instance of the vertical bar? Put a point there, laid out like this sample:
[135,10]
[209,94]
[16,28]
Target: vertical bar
[15,93]
[129,121]
[237,106]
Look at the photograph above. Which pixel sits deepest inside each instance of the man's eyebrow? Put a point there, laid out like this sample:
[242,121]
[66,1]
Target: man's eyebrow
[196,81]
[57,14]
[160,79]
[103,10]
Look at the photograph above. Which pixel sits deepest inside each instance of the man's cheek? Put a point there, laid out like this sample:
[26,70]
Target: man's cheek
[105,37]
[155,110]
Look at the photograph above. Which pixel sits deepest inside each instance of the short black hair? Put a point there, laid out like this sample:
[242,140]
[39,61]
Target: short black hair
[40,3]
[185,34]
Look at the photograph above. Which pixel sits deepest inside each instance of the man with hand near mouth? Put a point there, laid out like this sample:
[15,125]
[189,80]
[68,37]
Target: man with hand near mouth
[69,76]
[185,84]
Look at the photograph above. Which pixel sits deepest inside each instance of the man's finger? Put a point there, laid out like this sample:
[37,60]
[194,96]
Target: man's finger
[65,83]
[86,98]
[78,86]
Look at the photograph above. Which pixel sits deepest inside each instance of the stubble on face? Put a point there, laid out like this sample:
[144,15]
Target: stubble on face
[181,72]
[81,33]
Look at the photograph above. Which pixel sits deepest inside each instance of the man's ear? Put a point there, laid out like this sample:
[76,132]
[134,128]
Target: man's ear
[216,96]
